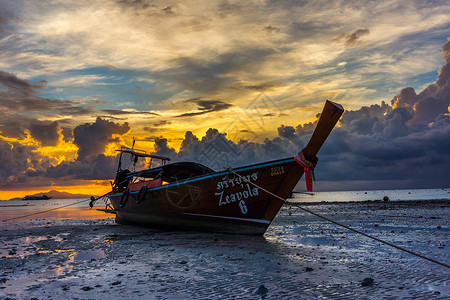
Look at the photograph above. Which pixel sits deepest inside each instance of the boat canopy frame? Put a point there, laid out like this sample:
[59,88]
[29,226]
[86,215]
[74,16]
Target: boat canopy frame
[170,173]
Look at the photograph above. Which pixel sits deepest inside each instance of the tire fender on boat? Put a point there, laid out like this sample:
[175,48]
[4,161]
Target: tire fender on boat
[141,195]
[124,198]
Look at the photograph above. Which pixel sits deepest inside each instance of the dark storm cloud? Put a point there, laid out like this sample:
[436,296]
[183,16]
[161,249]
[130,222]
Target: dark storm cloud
[91,164]
[13,126]
[23,165]
[406,98]
[18,162]
[162,148]
[92,138]
[100,167]
[286,131]
[13,162]
[205,106]
[47,133]
[217,151]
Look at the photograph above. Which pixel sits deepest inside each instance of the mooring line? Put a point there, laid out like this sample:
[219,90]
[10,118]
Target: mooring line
[342,225]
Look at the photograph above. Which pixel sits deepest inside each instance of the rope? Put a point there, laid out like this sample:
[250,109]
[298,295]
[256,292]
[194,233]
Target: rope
[344,226]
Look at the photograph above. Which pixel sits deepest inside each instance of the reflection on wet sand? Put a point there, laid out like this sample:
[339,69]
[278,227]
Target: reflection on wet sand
[86,255]
[67,213]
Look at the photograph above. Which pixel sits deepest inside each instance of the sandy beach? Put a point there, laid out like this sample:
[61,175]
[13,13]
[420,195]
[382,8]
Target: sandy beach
[299,257]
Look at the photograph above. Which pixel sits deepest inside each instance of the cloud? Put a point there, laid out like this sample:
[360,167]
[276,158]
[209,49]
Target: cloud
[162,148]
[168,10]
[355,38]
[161,123]
[92,138]
[205,106]
[5,18]
[272,29]
[47,133]
[10,83]
[266,86]
[157,125]
[22,165]
[125,112]
[100,167]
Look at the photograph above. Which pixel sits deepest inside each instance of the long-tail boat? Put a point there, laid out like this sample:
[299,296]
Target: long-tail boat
[191,196]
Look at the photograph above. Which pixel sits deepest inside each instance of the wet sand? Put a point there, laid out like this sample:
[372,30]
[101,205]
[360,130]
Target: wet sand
[300,257]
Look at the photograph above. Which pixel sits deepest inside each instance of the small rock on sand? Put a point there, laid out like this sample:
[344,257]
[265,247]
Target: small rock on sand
[367,281]
[262,290]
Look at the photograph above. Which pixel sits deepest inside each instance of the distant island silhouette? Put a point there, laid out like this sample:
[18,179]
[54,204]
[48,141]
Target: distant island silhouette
[57,195]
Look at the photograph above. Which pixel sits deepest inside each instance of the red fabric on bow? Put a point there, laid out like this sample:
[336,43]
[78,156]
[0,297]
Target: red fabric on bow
[308,169]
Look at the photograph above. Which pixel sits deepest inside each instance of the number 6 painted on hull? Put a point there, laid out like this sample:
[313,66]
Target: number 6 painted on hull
[243,207]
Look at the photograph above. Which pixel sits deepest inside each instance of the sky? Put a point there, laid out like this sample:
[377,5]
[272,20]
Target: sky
[224,83]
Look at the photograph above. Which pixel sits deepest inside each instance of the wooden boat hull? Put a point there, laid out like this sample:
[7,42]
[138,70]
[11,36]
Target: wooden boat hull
[244,200]
[218,202]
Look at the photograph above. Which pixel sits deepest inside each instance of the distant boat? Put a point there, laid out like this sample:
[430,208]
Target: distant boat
[191,196]
[43,197]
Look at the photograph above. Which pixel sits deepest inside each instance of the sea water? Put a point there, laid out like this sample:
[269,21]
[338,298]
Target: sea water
[393,195]
[75,209]
[80,207]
